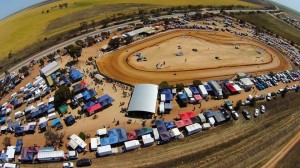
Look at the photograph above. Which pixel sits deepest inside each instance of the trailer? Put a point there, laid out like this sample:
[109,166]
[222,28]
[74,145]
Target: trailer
[104,150]
[162,107]
[202,118]
[211,121]
[225,91]
[155,134]
[51,156]
[206,126]
[131,145]
[216,88]
[52,116]
[194,128]
[95,142]
[203,91]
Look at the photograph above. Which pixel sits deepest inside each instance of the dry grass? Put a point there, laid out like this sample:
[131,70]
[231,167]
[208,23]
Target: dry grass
[29,26]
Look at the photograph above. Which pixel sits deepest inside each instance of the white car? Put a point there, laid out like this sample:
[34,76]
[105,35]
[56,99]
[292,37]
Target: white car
[256,113]
[68,165]
[262,109]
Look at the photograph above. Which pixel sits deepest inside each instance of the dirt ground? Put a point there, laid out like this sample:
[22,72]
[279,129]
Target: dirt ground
[122,65]
[105,118]
[164,55]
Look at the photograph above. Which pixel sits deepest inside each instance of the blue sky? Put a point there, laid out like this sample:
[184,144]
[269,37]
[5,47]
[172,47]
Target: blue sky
[8,7]
[294,4]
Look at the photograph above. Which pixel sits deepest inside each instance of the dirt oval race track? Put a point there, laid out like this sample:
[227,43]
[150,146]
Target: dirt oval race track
[119,64]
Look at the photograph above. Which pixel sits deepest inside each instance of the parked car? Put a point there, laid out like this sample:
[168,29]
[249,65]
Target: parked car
[235,115]
[68,165]
[246,114]
[84,162]
[256,113]
[262,108]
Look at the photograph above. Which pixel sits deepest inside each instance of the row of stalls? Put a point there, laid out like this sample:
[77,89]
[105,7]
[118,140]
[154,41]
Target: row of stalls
[166,98]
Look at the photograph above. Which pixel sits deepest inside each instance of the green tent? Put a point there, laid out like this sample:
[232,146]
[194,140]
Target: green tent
[63,109]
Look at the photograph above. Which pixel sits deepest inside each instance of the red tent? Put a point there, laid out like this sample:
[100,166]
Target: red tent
[191,114]
[93,108]
[9,106]
[131,135]
[187,121]
[184,116]
[179,124]
[198,97]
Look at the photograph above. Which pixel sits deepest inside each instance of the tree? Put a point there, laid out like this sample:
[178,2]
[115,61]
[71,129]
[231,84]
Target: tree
[6,142]
[24,69]
[83,25]
[82,135]
[79,42]
[104,34]
[197,82]
[75,52]
[128,39]
[93,24]
[114,43]
[90,40]
[238,105]
[62,94]
[42,62]
[164,85]
[6,73]
[179,86]
[53,138]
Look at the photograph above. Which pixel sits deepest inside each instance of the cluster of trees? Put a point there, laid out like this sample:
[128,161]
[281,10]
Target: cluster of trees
[74,51]
[60,6]
[62,95]
[53,138]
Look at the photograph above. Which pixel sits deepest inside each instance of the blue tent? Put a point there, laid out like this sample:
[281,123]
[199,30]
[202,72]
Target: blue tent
[55,122]
[3,112]
[86,95]
[208,114]
[170,124]
[76,75]
[208,88]
[66,80]
[92,92]
[105,100]
[70,120]
[19,145]
[31,129]
[168,93]
[19,130]
[182,96]
[2,120]
[89,104]
[162,130]
[109,140]
[43,125]
[194,90]
[143,131]
[50,106]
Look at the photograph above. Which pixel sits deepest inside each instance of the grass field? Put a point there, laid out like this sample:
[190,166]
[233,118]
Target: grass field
[29,26]
[273,24]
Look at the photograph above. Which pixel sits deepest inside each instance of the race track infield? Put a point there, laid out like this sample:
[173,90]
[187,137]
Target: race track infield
[219,55]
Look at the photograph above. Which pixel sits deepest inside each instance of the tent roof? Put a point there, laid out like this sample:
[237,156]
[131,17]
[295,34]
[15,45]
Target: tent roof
[170,124]
[143,131]
[56,121]
[144,98]
[162,130]
[50,68]
[132,135]
[179,124]
[63,108]
[93,108]
[198,97]
[194,90]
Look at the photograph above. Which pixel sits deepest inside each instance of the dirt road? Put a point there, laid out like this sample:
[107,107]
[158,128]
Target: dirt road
[273,162]
[116,66]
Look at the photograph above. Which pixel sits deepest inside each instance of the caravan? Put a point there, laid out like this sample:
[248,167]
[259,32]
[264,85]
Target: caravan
[133,144]
[95,142]
[104,150]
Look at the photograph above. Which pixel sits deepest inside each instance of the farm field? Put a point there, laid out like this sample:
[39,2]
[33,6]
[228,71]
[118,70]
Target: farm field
[237,143]
[203,64]
[273,24]
[33,25]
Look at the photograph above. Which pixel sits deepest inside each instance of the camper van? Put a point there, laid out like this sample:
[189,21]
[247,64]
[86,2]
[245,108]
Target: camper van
[19,114]
[52,116]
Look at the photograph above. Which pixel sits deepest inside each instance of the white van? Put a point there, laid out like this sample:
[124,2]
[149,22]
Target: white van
[19,114]
[52,116]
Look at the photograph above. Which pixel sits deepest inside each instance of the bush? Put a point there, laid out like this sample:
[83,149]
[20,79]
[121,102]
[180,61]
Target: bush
[179,86]
[6,142]
[197,82]
[164,85]
[82,135]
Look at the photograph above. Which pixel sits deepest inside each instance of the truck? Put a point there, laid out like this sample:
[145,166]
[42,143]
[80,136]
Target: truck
[203,91]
